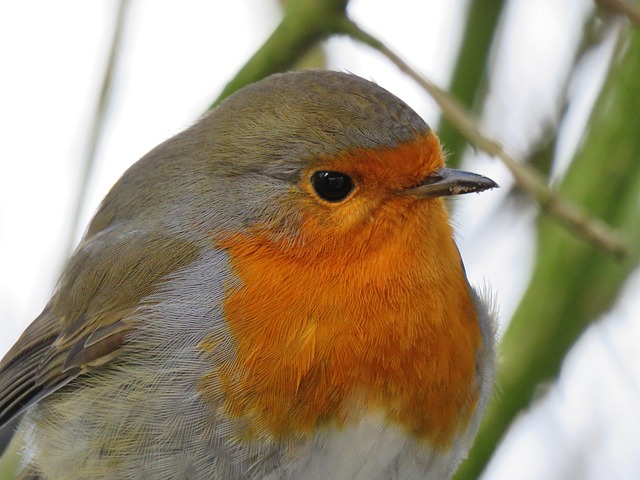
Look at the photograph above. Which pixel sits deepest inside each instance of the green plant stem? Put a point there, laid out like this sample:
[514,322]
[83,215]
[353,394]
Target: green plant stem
[469,77]
[305,23]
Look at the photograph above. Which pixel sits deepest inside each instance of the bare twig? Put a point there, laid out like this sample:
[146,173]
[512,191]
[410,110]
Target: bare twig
[99,116]
[632,12]
[526,178]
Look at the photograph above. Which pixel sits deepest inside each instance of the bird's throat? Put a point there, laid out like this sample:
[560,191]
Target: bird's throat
[394,330]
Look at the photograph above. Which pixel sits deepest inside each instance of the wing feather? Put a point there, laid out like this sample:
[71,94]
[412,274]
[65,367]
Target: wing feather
[87,321]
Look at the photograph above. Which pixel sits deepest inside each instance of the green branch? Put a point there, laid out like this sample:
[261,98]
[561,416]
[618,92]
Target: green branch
[305,23]
[470,75]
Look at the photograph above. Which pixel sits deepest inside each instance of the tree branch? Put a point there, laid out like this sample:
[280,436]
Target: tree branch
[526,178]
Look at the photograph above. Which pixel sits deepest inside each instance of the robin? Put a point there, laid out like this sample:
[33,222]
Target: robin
[273,293]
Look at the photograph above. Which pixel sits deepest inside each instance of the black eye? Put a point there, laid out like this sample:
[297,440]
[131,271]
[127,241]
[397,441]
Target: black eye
[332,186]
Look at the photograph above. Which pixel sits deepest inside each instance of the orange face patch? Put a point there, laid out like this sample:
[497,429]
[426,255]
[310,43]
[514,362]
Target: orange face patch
[369,306]
[381,178]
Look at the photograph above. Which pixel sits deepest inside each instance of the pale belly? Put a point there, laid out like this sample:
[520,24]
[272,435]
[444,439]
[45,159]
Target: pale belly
[371,450]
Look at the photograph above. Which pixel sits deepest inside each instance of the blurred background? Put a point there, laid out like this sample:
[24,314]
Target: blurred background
[554,81]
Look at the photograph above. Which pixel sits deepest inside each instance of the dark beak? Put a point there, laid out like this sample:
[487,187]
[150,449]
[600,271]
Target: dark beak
[447,181]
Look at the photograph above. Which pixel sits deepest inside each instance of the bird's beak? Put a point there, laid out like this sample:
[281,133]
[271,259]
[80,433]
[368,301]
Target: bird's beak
[447,181]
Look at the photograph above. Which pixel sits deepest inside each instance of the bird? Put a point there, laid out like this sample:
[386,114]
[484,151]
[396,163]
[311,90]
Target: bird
[273,293]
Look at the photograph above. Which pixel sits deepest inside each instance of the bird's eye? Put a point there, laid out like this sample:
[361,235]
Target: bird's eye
[332,186]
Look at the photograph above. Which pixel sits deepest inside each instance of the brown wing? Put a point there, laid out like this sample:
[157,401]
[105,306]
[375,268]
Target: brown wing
[86,322]
[44,359]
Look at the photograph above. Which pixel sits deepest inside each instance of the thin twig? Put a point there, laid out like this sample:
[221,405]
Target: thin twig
[96,130]
[632,12]
[526,178]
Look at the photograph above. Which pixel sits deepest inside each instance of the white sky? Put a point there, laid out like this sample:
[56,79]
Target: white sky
[178,56]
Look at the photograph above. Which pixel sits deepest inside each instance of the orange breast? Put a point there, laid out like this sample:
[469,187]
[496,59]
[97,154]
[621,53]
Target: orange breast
[327,329]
